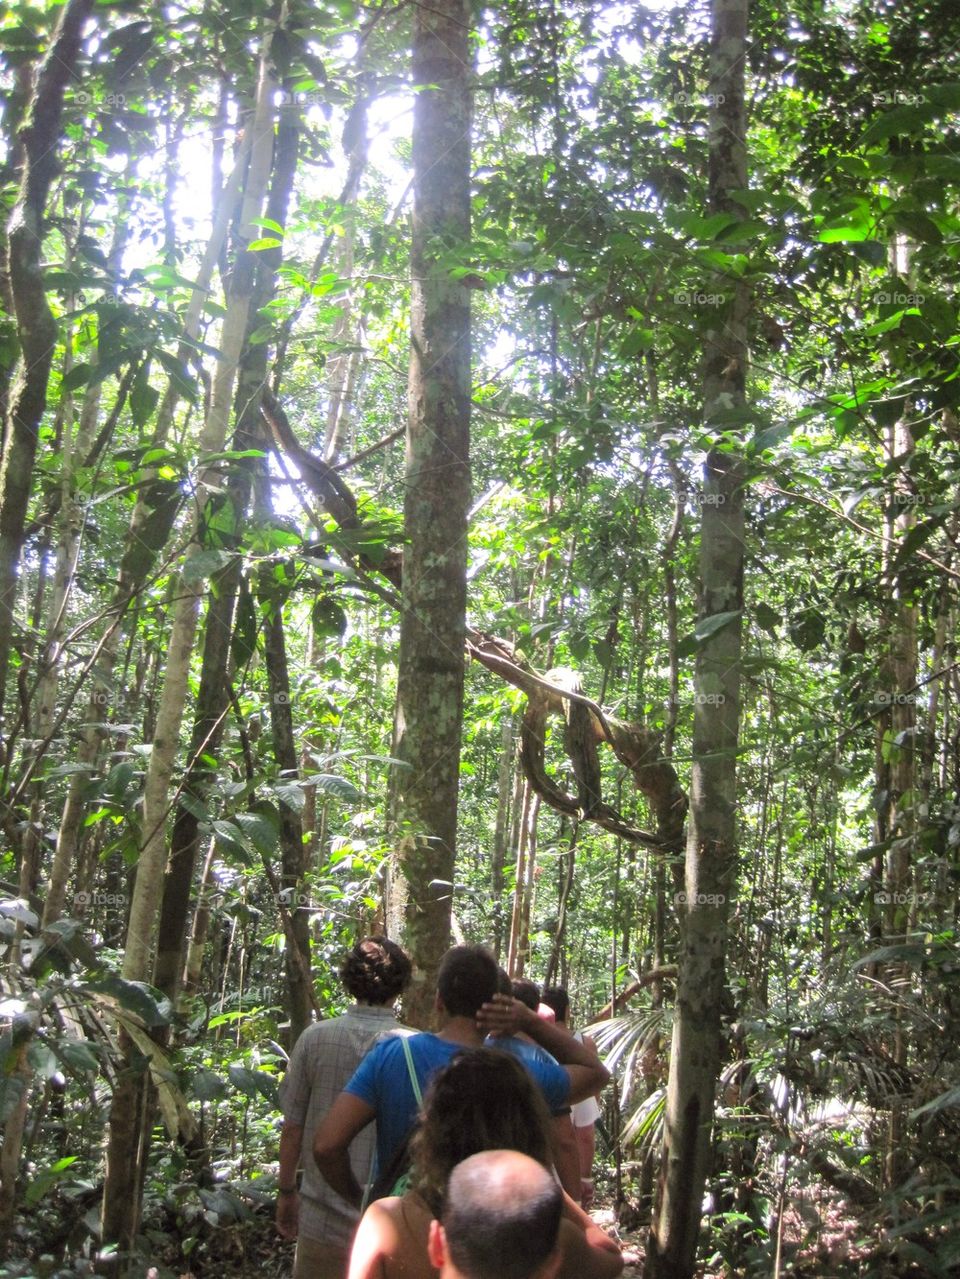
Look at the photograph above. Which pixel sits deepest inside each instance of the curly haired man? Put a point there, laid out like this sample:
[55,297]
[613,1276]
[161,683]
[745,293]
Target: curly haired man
[325,1056]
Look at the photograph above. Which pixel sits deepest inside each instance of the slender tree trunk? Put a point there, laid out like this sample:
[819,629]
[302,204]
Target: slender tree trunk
[292,852]
[505,771]
[905,801]
[80,449]
[150,527]
[526,890]
[37,336]
[516,945]
[432,629]
[567,870]
[201,923]
[711,843]
[15,108]
[125,1148]
[213,694]
[36,327]
[342,365]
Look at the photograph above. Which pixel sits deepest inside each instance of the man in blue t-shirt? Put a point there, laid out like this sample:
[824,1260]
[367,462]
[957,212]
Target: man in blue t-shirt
[468,1009]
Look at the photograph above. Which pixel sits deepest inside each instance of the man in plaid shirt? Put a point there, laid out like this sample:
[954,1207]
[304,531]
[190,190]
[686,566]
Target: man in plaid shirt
[323,1059]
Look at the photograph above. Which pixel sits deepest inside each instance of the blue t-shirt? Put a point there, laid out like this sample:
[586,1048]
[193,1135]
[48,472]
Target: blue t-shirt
[382,1080]
[534,1058]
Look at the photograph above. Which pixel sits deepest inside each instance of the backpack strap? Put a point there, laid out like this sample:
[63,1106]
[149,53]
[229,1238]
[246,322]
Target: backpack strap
[414,1081]
[401,1159]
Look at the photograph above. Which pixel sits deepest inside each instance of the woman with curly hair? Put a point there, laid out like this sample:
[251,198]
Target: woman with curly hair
[484,1100]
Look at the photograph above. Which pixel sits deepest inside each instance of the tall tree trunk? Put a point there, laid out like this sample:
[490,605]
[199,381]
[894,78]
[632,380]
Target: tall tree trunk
[36,327]
[81,448]
[292,852]
[37,336]
[432,629]
[213,697]
[519,880]
[904,798]
[342,365]
[566,869]
[711,841]
[126,1139]
[150,527]
[498,857]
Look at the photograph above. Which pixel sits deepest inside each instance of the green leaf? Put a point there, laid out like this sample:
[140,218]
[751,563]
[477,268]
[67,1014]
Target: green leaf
[42,1181]
[76,1055]
[940,315]
[136,997]
[207,1085]
[268,224]
[253,1083]
[902,119]
[291,794]
[230,837]
[261,828]
[328,618]
[330,784]
[79,375]
[918,226]
[204,564]
[143,397]
[180,375]
[767,618]
[637,340]
[771,437]
[708,626]
[844,234]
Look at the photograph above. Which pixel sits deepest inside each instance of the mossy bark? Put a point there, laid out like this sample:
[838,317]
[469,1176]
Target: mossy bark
[430,686]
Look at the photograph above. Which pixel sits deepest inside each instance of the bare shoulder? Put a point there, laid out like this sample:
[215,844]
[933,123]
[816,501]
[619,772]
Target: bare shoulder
[392,1241]
[385,1213]
[376,1239]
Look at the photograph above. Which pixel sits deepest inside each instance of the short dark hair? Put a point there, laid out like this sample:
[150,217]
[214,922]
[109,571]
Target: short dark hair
[492,1232]
[376,971]
[556,997]
[467,979]
[528,992]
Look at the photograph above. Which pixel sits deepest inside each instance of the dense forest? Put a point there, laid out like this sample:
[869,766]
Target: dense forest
[483,473]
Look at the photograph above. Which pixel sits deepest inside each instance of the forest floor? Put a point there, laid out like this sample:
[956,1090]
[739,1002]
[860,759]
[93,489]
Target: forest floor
[818,1240]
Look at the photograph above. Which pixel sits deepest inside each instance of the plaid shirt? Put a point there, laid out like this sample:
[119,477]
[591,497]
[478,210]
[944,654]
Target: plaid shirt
[323,1059]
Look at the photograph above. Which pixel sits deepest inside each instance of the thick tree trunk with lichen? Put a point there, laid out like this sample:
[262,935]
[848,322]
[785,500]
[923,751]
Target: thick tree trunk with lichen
[710,863]
[430,684]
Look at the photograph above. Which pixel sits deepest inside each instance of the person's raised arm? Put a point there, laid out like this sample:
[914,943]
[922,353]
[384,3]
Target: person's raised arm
[504,1015]
[331,1144]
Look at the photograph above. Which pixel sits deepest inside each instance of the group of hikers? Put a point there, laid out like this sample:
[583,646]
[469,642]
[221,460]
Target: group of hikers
[469,1152]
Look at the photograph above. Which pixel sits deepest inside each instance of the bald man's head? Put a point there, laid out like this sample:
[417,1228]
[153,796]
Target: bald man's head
[500,1221]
